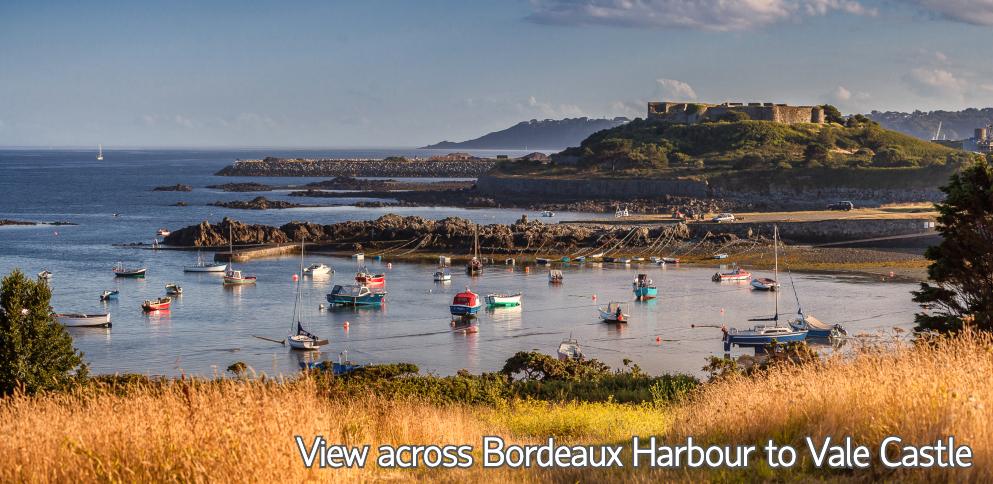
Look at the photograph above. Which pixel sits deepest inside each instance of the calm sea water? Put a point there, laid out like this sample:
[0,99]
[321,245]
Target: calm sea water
[211,326]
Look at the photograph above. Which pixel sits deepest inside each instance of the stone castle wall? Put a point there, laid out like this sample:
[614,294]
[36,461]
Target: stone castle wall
[690,113]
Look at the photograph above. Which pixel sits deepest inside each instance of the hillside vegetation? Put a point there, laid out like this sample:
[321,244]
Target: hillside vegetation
[648,148]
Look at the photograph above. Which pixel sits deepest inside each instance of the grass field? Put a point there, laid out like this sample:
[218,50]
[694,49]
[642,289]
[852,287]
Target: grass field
[242,430]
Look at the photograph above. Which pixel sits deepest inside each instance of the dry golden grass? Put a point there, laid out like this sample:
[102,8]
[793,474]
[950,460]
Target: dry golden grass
[243,430]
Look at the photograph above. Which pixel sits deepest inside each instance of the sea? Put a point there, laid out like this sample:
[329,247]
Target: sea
[209,327]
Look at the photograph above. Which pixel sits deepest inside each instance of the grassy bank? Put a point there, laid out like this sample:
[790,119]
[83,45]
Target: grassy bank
[242,430]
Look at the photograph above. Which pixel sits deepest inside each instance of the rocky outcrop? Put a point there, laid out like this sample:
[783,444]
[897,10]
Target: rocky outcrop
[242,187]
[206,235]
[257,203]
[179,187]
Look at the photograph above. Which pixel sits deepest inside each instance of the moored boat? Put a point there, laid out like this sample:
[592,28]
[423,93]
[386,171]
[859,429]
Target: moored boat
[738,274]
[442,275]
[365,278]
[81,320]
[569,349]
[234,277]
[555,276]
[547,213]
[318,269]
[721,256]
[45,275]
[120,270]
[613,313]
[503,300]
[299,338]
[203,266]
[163,232]
[156,304]
[475,265]
[355,295]
[644,288]
[465,303]
[108,295]
[765,284]
[817,329]
[173,289]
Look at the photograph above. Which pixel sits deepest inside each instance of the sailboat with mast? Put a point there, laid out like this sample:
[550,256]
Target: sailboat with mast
[475,265]
[761,334]
[100,153]
[299,338]
[232,276]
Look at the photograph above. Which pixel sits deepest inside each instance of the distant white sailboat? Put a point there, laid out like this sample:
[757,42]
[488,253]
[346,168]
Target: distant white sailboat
[100,154]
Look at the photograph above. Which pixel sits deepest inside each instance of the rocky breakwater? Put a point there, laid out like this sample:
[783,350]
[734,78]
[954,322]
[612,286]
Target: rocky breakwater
[451,234]
[258,203]
[388,167]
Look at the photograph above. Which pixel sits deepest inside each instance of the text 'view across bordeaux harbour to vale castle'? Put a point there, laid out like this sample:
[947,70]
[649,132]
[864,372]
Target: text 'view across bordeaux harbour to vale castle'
[542,241]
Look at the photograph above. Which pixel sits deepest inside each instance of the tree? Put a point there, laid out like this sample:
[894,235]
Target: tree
[815,153]
[961,269]
[832,115]
[36,353]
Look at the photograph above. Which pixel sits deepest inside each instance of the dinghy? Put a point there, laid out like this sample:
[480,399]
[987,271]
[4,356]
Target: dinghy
[159,304]
[503,300]
[80,320]
[613,313]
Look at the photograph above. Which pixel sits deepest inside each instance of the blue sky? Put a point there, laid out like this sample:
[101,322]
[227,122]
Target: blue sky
[382,73]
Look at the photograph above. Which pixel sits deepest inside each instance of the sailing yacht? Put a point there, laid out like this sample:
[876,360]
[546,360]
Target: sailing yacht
[761,335]
[100,153]
[299,338]
[231,275]
[475,266]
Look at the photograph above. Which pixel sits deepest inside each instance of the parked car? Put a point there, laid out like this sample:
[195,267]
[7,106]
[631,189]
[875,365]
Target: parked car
[845,205]
[723,217]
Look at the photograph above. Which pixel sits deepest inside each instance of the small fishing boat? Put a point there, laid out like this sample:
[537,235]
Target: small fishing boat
[738,274]
[465,303]
[668,260]
[721,256]
[548,213]
[173,289]
[569,349]
[817,329]
[555,276]
[765,284]
[299,338]
[202,266]
[157,304]
[45,275]
[355,295]
[613,313]
[503,300]
[644,288]
[80,320]
[442,275]
[365,278]
[120,270]
[317,269]
[163,232]
[108,295]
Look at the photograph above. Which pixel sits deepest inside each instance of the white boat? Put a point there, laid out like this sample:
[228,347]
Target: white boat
[442,275]
[548,213]
[622,212]
[555,276]
[46,275]
[100,153]
[80,320]
[569,349]
[234,277]
[203,266]
[173,289]
[505,300]
[358,256]
[613,313]
[318,269]
[299,338]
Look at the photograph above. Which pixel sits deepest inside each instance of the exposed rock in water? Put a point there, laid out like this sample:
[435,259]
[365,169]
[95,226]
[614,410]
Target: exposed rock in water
[179,187]
[16,222]
[257,203]
[179,204]
[242,187]
[449,234]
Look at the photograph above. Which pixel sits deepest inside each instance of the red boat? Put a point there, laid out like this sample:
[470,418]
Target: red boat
[364,278]
[156,305]
[738,274]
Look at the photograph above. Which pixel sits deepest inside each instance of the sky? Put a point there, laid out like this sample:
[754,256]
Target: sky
[379,73]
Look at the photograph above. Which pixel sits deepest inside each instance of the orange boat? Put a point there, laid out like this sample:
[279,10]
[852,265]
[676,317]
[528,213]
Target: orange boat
[156,305]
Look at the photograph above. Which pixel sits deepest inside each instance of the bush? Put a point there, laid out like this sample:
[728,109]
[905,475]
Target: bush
[36,353]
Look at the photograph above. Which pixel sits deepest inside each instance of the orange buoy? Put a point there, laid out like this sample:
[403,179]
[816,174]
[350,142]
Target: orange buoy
[345,325]
[658,340]
[527,268]
[594,297]
[295,277]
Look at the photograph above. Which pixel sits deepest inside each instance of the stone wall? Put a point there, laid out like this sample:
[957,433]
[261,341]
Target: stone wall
[690,113]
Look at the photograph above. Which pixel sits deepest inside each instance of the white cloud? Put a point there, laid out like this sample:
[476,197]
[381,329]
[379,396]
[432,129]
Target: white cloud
[627,109]
[714,15]
[842,94]
[976,12]
[671,89]
[935,82]
[549,110]
[183,121]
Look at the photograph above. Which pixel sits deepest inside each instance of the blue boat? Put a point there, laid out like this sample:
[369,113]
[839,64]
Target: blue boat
[465,303]
[108,295]
[644,288]
[355,295]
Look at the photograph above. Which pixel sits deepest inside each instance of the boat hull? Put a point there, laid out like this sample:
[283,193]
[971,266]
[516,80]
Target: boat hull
[374,299]
[214,268]
[746,340]
[83,320]
[238,281]
[503,301]
[646,293]
[463,310]
[299,342]
[130,274]
[765,284]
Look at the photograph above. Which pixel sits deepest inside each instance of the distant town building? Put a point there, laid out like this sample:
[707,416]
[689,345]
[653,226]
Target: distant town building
[690,113]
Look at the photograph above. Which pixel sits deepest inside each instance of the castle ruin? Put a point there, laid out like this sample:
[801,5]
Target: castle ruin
[690,113]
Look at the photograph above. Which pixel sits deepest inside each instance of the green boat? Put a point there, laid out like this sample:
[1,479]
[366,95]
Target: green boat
[503,300]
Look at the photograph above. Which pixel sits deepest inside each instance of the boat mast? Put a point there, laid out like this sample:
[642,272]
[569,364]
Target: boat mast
[296,300]
[475,242]
[775,242]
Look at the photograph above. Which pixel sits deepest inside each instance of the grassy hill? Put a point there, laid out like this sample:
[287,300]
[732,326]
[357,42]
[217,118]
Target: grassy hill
[648,148]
